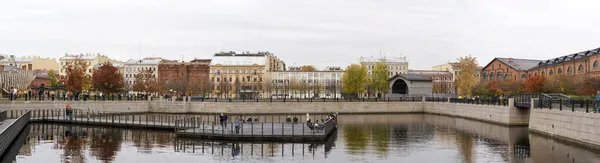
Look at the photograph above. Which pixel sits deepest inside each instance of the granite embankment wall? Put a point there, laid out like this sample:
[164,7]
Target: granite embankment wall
[505,115]
[287,107]
[575,127]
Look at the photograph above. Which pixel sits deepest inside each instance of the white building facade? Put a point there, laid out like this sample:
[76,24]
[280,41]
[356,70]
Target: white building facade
[310,84]
[134,66]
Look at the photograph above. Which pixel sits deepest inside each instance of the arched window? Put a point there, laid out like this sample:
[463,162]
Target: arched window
[535,74]
[569,70]
[499,76]
[523,76]
[491,76]
[543,73]
[551,73]
[596,64]
[580,68]
[559,71]
[485,77]
[506,77]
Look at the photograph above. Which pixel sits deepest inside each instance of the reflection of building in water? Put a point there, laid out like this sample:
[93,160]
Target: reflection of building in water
[103,143]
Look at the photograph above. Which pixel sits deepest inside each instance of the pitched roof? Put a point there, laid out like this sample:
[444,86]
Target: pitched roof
[411,77]
[569,57]
[518,64]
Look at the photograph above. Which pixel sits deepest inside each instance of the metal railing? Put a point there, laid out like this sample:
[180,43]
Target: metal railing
[273,125]
[586,106]
[101,117]
[481,101]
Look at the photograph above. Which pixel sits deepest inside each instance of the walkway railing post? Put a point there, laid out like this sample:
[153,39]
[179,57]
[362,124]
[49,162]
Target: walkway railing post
[560,103]
[572,105]
[587,105]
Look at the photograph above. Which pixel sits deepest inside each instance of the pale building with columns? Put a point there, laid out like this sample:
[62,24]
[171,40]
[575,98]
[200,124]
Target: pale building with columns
[306,84]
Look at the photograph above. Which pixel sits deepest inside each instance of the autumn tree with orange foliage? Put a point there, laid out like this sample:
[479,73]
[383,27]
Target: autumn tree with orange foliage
[146,82]
[307,68]
[589,87]
[75,77]
[107,78]
[535,84]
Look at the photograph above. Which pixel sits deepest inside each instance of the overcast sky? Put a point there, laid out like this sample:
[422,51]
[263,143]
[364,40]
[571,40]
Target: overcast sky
[318,32]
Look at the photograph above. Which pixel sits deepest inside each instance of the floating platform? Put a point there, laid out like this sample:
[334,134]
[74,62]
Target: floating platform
[253,131]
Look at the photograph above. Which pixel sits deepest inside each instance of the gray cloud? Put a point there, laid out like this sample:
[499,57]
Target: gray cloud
[333,32]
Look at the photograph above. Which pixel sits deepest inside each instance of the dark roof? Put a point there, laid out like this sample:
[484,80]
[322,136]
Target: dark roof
[569,57]
[518,64]
[411,77]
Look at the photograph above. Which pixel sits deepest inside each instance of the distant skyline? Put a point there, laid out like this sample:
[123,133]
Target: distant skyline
[320,33]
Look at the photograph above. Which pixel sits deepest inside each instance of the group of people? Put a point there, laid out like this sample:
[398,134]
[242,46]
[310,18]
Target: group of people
[224,119]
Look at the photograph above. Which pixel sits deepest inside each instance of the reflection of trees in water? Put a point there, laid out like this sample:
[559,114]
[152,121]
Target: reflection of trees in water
[464,142]
[105,142]
[381,137]
[356,138]
[405,134]
[73,149]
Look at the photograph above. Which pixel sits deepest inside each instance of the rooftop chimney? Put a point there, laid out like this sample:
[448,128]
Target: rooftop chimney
[510,60]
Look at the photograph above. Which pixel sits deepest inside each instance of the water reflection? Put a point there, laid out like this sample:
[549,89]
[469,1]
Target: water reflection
[359,138]
[262,149]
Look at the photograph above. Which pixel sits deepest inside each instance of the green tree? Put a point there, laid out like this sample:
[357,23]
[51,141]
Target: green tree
[466,80]
[379,79]
[354,80]
[53,80]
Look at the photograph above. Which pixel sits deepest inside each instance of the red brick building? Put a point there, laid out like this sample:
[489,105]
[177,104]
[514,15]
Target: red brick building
[184,77]
[585,64]
[39,80]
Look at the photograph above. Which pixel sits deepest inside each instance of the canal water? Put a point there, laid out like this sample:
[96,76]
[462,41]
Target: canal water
[359,138]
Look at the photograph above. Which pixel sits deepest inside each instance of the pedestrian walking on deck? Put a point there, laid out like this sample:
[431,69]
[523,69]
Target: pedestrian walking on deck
[237,124]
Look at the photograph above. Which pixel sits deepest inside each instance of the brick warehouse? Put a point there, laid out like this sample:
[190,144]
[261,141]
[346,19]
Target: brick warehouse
[585,63]
[185,77]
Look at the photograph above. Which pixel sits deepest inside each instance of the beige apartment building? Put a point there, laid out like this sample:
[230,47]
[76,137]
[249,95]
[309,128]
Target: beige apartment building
[92,60]
[396,65]
[30,62]
[237,75]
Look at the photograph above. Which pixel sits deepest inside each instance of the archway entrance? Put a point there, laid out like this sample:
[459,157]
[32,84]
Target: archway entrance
[400,87]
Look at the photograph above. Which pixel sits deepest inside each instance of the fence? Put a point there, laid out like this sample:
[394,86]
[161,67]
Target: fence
[386,99]
[481,101]
[3,116]
[103,117]
[571,105]
[258,126]
[12,131]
